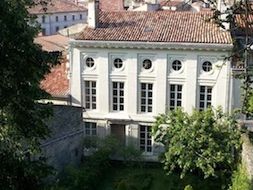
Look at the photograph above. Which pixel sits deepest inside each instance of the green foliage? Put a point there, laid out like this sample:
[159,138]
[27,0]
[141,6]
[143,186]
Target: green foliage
[240,180]
[140,181]
[22,118]
[205,141]
[188,187]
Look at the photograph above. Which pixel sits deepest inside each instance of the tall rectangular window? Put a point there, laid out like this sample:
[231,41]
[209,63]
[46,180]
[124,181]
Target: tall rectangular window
[146,97]
[43,30]
[205,97]
[175,96]
[56,28]
[90,94]
[117,96]
[90,129]
[43,19]
[56,18]
[145,138]
[73,17]
[81,16]
[65,18]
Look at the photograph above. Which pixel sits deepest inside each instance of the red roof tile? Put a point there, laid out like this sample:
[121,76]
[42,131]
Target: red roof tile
[172,3]
[52,43]
[56,6]
[111,5]
[159,26]
[241,24]
[55,83]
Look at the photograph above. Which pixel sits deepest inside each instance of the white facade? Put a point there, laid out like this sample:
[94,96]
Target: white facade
[51,23]
[165,84]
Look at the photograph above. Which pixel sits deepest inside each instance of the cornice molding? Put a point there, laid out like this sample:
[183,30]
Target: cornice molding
[150,45]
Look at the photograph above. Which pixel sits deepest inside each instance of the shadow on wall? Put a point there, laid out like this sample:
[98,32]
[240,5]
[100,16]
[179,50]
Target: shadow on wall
[63,147]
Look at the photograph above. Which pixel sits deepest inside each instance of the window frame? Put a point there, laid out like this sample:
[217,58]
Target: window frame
[88,61]
[175,92]
[89,128]
[148,108]
[144,62]
[90,93]
[207,66]
[118,87]
[118,61]
[43,19]
[176,65]
[206,102]
[147,139]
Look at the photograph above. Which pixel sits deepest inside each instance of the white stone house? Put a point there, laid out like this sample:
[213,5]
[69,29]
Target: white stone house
[58,14]
[128,67]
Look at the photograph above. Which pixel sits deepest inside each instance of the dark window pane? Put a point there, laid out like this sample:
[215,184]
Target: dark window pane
[149,109]
[172,87]
[143,108]
[202,89]
[172,95]
[121,107]
[179,88]
[201,105]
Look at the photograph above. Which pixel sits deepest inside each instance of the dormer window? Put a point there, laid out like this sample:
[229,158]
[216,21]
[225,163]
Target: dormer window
[207,66]
[147,64]
[90,62]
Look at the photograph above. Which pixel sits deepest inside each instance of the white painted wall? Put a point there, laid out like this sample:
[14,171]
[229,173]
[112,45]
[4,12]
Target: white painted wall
[191,76]
[51,24]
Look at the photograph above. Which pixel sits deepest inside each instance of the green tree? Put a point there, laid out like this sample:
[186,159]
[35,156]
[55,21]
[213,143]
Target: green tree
[205,141]
[22,118]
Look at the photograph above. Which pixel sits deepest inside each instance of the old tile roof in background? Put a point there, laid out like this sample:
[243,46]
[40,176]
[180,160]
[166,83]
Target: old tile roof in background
[55,83]
[52,43]
[111,5]
[56,6]
[160,26]
[241,24]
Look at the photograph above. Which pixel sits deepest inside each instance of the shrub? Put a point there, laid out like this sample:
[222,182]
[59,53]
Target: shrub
[240,180]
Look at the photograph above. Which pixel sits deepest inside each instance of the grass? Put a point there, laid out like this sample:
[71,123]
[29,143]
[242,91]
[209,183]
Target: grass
[152,177]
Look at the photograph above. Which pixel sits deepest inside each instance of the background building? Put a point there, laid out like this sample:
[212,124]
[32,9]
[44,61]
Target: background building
[59,14]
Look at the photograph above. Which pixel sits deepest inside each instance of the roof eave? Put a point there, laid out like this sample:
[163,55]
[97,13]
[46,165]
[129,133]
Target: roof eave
[151,45]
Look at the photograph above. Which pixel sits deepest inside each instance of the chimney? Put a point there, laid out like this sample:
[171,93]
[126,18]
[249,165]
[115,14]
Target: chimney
[223,6]
[93,11]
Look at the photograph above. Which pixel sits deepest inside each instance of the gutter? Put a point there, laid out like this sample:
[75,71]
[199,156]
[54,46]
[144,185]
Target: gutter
[150,45]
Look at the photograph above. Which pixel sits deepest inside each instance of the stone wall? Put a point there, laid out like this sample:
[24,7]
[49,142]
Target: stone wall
[64,146]
[247,155]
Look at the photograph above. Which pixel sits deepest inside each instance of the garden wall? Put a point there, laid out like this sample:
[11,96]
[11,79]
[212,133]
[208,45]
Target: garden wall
[247,155]
[63,147]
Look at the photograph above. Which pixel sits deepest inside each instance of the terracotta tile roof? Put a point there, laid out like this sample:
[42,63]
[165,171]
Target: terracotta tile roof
[171,3]
[56,6]
[240,21]
[52,43]
[55,83]
[111,5]
[159,26]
